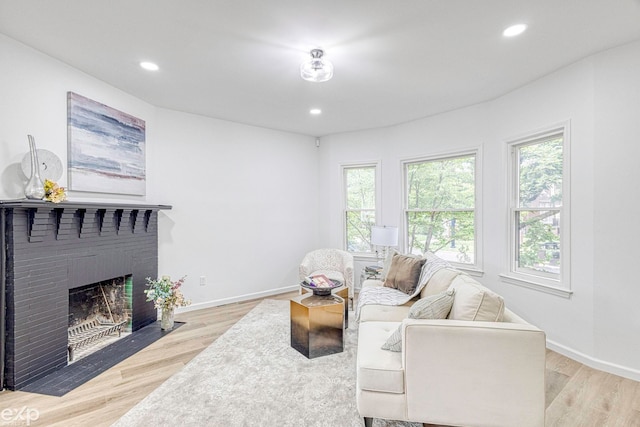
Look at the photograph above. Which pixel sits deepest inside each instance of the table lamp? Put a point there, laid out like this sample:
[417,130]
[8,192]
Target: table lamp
[384,236]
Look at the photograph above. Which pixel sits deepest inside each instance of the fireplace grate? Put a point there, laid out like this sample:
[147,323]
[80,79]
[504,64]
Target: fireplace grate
[91,332]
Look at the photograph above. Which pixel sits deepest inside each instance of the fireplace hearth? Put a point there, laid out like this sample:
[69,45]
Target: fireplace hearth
[48,252]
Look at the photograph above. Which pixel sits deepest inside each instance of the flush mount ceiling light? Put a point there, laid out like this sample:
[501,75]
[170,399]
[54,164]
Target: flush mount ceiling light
[150,66]
[315,111]
[514,30]
[316,69]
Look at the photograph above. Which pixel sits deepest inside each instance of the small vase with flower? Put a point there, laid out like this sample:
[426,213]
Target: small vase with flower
[166,296]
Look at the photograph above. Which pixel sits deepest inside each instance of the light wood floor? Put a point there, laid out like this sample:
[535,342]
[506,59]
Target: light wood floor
[576,394]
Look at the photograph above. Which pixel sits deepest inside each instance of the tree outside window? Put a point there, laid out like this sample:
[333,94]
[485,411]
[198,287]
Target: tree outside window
[538,207]
[360,212]
[440,208]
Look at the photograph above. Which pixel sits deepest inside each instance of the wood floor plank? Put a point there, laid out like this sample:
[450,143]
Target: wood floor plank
[593,397]
[555,382]
[576,394]
[562,364]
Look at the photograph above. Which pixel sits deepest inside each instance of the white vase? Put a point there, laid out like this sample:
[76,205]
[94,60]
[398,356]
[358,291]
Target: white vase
[166,319]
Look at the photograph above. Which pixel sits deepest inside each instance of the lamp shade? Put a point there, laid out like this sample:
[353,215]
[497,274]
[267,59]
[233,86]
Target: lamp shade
[384,236]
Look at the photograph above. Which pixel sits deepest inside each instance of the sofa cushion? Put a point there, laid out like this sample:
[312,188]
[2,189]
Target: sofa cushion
[404,273]
[475,302]
[385,313]
[433,307]
[440,281]
[372,283]
[378,370]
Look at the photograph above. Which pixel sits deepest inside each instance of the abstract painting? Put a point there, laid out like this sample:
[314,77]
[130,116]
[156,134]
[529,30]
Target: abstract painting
[106,148]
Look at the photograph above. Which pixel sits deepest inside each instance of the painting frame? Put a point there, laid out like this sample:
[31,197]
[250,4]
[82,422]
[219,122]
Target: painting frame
[106,148]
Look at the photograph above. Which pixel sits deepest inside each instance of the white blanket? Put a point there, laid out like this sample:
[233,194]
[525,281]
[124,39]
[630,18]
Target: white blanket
[389,296]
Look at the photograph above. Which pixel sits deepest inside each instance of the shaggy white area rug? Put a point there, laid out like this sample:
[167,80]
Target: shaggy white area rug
[251,376]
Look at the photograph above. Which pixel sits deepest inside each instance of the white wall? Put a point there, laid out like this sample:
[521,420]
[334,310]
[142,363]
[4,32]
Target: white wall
[617,206]
[244,198]
[244,205]
[33,100]
[561,96]
[600,96]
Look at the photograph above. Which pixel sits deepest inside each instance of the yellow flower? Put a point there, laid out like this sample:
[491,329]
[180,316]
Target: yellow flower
[53,192]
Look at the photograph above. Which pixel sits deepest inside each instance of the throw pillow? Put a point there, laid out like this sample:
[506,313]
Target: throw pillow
[475,302]
[394,342]
[440,281]
[434,307]
[404,273]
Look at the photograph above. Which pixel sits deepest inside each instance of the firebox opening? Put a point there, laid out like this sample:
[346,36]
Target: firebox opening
[99,314]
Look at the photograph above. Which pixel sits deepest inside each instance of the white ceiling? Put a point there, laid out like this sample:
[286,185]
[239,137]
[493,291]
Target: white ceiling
[395,60]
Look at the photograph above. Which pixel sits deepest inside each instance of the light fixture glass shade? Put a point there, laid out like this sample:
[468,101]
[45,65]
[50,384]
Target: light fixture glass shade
[384,236]
[316,69]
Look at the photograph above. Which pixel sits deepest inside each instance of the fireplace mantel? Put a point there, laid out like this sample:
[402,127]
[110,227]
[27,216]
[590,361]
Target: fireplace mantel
[27,203]
[49,248]
[108,216]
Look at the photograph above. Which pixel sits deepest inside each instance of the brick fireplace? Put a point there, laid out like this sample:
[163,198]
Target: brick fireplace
[48,249]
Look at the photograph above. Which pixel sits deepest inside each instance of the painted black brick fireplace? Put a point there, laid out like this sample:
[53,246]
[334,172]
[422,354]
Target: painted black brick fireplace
[48,249]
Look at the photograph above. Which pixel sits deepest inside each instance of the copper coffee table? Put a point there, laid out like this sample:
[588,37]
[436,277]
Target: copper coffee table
[317,324]
[341,291]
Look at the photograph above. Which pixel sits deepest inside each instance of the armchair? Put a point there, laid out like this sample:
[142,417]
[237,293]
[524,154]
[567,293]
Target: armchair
[334,263]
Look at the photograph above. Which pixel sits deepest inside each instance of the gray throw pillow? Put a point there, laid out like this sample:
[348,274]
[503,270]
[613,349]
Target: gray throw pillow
[435,306]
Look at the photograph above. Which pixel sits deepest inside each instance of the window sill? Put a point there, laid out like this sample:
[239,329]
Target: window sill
[365,257]
[548,289]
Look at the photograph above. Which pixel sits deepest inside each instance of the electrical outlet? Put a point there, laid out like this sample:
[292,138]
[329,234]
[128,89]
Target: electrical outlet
[203,280]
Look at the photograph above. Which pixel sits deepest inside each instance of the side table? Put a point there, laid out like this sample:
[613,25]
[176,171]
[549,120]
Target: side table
[365,275]
[317,324]
[342,292]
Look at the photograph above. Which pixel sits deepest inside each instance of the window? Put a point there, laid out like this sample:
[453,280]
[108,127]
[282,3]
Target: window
[538,213]
[360,206]
[440,214]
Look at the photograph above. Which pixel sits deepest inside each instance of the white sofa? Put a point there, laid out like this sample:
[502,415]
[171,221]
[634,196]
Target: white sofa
[482,366]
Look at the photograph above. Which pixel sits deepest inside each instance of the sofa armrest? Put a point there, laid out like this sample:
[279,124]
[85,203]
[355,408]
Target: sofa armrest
[474,373]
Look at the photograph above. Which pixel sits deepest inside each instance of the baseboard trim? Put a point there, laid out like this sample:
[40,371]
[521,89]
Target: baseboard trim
[239,298]
[592,362]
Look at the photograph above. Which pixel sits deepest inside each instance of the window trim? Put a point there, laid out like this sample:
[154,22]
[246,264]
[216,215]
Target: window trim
[355,165]
[562,285]
[475,269]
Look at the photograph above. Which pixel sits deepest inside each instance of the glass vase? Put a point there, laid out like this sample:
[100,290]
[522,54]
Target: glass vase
[166,319]
[34,188]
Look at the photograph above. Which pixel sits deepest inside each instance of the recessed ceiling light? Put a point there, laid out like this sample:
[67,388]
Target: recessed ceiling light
[315,111]
[514,30]
[149,66]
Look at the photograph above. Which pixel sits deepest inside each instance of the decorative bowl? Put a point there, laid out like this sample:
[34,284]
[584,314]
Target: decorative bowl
[324,291]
